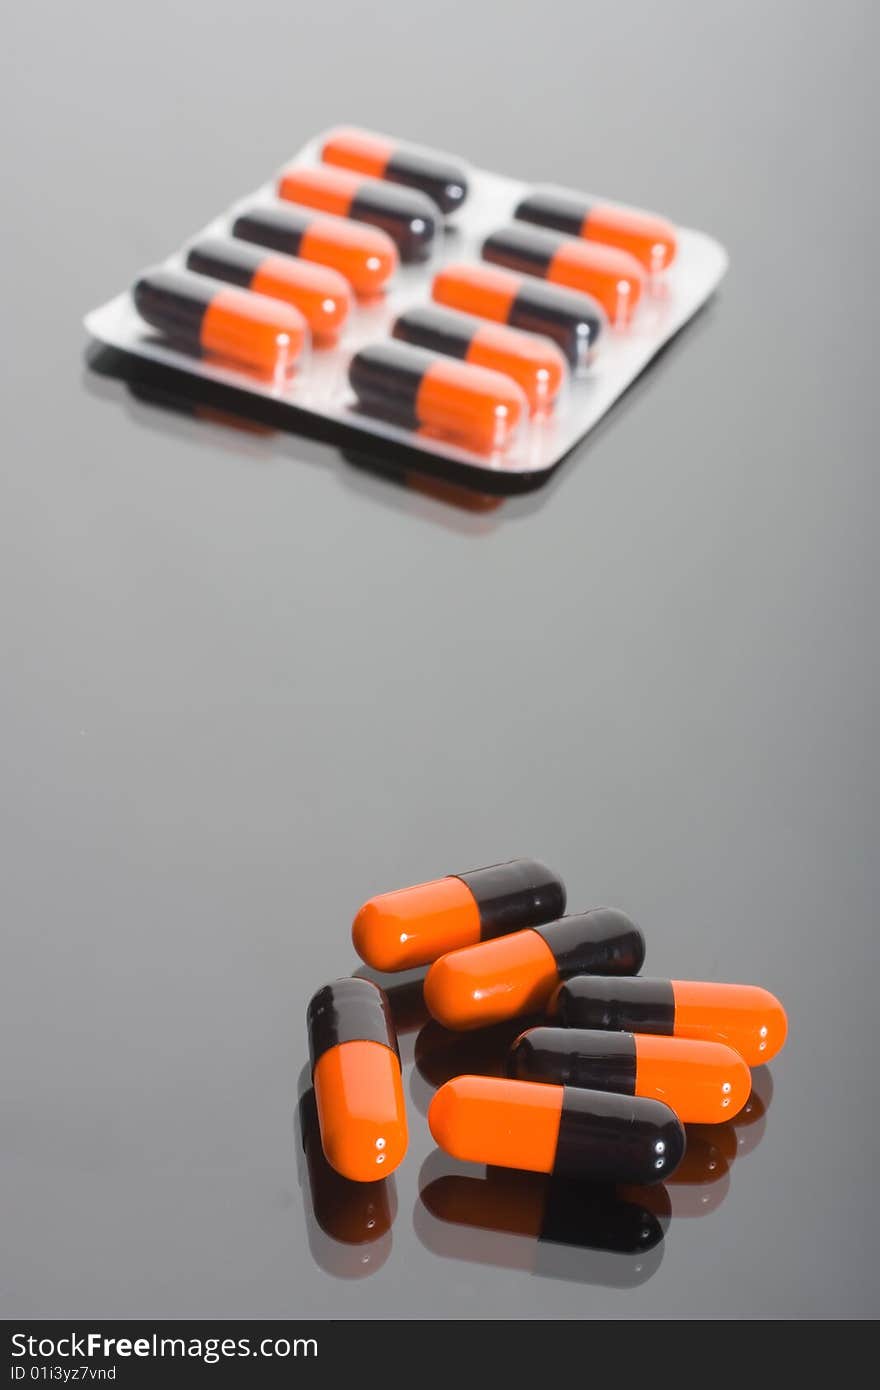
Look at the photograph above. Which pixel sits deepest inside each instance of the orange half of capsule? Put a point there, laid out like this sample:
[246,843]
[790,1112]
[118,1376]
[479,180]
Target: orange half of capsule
[533,363]
[319,292]
[651,239]
[746,1017]
[483,291]
[482,407]
[350,148]
[511,1124]
[244,327]
[364,255]
[703,1082]
[481,985]
[361,1109]
[610,275]
[407,928]
[331,190]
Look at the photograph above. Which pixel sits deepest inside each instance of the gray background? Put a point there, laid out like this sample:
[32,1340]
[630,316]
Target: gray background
[246,685]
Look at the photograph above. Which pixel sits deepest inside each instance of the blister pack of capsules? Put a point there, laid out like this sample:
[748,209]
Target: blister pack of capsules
[416,301]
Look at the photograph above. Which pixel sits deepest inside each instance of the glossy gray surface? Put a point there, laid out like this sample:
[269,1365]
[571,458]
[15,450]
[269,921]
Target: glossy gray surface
[246,684]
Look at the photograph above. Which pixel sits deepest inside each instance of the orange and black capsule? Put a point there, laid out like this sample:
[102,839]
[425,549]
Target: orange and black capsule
[703,1082]
[651,239]
[597,1135]
[572,320]
[444,180]
[477,408]
[534,364]
[206,316]
[357,1079]
[611,276]
[364,255]
[484,984]
[745,1017]
[322,295]
[414,926]
[404,214]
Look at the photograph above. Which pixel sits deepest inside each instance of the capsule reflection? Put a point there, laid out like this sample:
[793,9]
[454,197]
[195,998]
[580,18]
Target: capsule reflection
[349,1223]
[552,1226]
[751,1122]
[702,1180]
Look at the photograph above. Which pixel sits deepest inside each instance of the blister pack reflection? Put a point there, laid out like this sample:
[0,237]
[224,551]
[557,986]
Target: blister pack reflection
[410,298]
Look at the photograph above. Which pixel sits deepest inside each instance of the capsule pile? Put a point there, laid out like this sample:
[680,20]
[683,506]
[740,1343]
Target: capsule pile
[604,1067]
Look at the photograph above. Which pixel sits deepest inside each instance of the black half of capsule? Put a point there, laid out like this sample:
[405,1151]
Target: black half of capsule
[386,378]
[409,1012]
[408,217]
[596,1217]
[236,262]
[441,1055]
[601,942]
[279,228]
[510,897]
[528,250]
[440,330]
[575,1057]
[630,1006]
[607,1137]
[442,180]
[549,207]
[349,1010]
[175,302]
[573,320]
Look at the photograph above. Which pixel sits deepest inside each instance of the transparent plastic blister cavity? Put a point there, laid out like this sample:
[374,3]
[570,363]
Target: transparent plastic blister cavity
[407,297]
